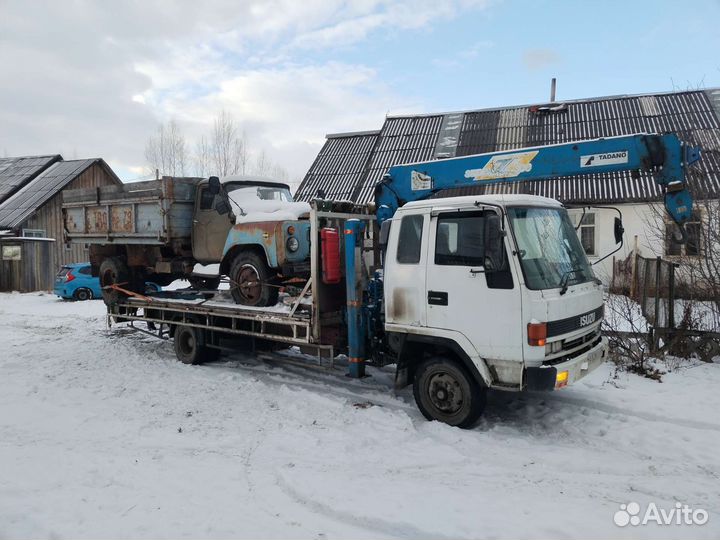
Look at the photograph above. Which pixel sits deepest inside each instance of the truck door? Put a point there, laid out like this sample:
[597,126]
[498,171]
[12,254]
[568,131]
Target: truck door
[210,229]
[405,269]
[461,296]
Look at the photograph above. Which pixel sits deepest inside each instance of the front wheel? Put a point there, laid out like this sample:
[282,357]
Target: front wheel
[446,392]
[252,281]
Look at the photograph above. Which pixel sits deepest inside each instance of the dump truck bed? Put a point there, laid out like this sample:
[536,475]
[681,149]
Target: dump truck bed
[156,212]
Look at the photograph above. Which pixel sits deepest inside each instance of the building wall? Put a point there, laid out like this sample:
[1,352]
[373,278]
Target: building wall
[49,217]
[644,227]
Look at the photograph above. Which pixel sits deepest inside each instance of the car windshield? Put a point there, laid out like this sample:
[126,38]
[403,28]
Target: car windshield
[244,193]
[548,247]
[63,271]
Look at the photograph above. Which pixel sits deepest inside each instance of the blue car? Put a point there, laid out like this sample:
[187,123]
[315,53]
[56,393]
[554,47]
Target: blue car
[75,281]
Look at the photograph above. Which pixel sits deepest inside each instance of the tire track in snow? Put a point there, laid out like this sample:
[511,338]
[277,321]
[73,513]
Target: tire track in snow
[377,525]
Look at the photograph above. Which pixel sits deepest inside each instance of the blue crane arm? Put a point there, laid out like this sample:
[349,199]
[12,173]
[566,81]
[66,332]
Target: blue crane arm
[665,156]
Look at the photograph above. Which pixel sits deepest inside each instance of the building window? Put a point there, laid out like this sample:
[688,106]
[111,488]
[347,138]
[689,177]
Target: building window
[33,233]
[585,225]
[410,240]
[691,248]
[11,252]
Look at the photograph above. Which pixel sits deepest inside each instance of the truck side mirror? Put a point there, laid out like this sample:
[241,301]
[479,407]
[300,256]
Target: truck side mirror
[619,230]
[384,233]
[214,185]
[494,259]
[222,207]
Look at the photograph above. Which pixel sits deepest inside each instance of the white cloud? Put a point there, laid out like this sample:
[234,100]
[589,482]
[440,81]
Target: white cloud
[538,59]
[93,79]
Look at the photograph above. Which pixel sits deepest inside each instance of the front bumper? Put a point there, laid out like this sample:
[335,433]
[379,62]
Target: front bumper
[546,377]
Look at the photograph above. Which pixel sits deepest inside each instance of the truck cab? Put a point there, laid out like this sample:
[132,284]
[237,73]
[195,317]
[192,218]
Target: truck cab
[497,283]
[254,231]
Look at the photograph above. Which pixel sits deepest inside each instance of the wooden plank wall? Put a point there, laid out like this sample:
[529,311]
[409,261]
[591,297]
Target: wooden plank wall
[49,219]
[33,272]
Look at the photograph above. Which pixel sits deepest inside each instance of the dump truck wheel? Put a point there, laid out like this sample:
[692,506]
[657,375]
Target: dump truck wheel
[251,281]
[446,392]
[82,294]
[113,271]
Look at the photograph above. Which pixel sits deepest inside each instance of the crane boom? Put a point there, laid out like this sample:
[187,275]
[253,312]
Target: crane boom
[665,156]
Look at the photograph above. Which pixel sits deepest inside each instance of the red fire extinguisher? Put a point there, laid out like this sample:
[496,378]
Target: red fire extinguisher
[330,255]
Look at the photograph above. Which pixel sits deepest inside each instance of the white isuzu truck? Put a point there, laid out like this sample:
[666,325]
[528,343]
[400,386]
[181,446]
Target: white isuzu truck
[461,294]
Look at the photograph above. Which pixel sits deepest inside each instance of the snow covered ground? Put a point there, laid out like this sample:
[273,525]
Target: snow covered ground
[103,434]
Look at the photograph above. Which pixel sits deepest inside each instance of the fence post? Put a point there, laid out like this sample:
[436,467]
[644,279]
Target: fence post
[671,296]
[633,276]
[657,291]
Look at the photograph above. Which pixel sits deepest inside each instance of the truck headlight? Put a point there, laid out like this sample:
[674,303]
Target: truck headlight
[292,244]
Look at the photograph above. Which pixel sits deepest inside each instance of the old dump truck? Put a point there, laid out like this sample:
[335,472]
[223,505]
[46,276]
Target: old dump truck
[461,294]
[248,228]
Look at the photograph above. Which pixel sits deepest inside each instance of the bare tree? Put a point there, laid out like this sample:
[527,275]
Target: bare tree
[229,148]
[698,260]
[262,164]
[203,157]
[166,151]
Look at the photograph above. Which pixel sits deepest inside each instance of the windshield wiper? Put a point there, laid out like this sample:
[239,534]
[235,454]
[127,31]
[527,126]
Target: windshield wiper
[566,276]
[574,270]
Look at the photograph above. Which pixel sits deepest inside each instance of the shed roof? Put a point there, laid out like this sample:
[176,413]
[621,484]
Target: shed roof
[26,201]
[15,172]
[693,115]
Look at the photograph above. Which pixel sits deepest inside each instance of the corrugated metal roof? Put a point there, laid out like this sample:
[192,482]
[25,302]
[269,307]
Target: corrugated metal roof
[15,172]
[37,192]
[401,140]
[339,167]
[693,116]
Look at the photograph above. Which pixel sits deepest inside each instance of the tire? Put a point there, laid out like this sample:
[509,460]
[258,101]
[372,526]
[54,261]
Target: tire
[83,294]
[248,267]
[190,348]
[151,288]
[113,270]
[446,392]
[204,283]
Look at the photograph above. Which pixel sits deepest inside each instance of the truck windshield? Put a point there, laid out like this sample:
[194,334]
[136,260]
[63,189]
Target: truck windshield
[548,247]
[245,193]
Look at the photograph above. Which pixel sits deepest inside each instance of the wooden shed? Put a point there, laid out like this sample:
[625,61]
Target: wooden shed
[34,211]
[26,264]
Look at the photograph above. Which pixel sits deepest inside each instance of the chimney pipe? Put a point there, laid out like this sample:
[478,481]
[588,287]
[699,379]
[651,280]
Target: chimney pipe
[553,84]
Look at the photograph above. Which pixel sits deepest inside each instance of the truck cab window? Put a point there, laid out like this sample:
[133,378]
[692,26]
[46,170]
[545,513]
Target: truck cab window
[206,199]
[459,239]
[410,239]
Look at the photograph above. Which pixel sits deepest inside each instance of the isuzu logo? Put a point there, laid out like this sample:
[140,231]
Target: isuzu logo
[587,319]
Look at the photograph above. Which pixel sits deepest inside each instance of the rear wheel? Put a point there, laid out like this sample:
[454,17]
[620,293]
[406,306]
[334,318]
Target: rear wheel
[252,282]
[113,271]
[446,392]
[83,294]
[190,346]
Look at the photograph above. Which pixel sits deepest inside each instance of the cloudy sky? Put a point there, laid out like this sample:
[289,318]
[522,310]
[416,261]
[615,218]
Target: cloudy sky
[90,79]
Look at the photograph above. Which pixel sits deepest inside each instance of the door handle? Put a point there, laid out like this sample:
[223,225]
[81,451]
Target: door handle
[438,298]
[477,270]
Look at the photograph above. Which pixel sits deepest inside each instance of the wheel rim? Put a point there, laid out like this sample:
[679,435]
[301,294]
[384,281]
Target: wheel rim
[248,285]
[187,342]
[445,392]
